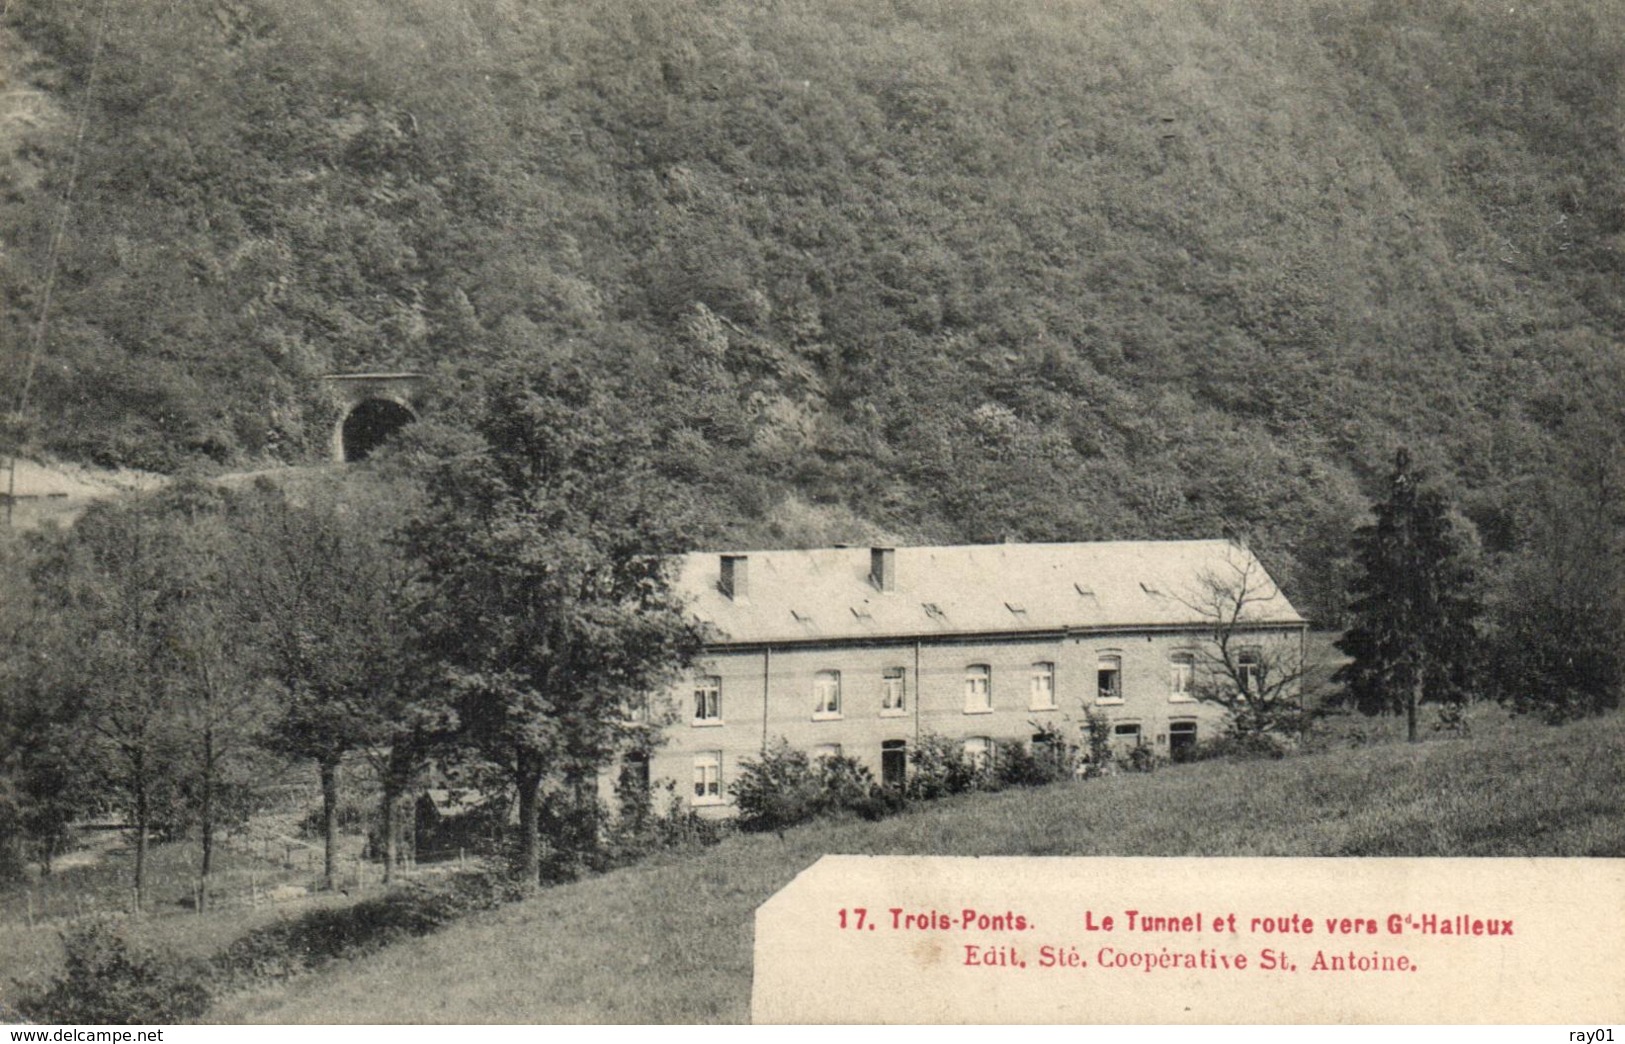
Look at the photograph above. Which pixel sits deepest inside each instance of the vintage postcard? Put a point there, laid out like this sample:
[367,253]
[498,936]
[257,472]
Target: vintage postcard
[932,512]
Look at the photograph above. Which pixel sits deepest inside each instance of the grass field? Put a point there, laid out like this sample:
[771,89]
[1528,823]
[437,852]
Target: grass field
[670,940]
[95,880]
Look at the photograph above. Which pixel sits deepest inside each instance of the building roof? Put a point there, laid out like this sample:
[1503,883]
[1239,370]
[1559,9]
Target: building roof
[827,594]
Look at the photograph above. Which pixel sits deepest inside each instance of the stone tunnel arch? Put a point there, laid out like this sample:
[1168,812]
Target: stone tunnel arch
[369,408]
[368,424]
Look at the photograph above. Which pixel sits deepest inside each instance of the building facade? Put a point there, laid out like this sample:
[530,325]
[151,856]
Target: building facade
[864,651]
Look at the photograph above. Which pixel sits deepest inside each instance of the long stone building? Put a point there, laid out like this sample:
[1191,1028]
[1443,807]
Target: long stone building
[862,651]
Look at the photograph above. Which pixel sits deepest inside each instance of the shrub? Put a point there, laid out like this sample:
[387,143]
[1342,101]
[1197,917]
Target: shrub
[1141,758]
[682,827]
[420,907]
[1097,759]
[572,827]
[785,787]
[107,981]
[777,790]
[882,802]
[844,785]
[1453,719]
[941,767]
[1241,746]
[1047,759]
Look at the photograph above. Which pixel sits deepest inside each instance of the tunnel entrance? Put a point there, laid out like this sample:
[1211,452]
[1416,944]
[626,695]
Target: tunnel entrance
[369,424]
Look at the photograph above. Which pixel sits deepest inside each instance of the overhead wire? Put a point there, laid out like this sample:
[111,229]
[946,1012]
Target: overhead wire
[53,254]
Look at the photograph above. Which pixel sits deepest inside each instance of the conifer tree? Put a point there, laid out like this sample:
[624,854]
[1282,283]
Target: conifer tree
[1414,607]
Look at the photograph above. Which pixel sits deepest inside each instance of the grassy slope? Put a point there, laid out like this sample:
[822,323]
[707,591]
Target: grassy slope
[29,956]
[671,940]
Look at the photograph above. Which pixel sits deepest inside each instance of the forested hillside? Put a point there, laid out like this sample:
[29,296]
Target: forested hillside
[966,269]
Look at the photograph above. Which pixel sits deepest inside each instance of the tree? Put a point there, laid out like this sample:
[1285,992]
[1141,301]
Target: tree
[326,589]
[1560,610]
[111,579]
[1256,672]
[222,702]
[1414,607]
[41,777]
[545,548]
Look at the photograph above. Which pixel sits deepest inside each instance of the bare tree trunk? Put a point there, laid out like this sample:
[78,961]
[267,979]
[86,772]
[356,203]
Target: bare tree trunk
[390,825]
[142,816]
[330,822]
[529,784]
[1412,706]
[206,814]
[398,772]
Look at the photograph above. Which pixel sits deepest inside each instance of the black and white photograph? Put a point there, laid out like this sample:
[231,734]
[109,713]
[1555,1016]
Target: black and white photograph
[495,492]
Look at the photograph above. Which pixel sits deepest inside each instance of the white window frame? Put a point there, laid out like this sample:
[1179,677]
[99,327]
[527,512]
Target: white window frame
[712,684]
[981,751]
[1182,678]
[979,688]
[1126,738]
[827,696]
[1113,661]
[1041,687]
[826,750]
[708,779]
[888,690]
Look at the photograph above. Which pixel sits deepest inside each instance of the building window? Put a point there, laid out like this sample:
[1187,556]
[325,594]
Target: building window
[1181,740]
[978,689]
[1126,733]
[1182,678]
[635,772]
[893,763]
[1249,672]
[894,690]
[1043,687]
[708,778]
[980,751]
[826,750]
[1109,678]
[827,694]
[708,701]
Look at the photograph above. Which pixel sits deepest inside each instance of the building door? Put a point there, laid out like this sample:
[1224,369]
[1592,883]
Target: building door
[1181,740]
[894,763]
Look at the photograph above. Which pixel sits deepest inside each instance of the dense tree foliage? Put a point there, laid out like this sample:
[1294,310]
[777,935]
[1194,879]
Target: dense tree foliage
[1415,605]
[767,273]
[544,551]
[326,590]
[1559,611]
[968,268]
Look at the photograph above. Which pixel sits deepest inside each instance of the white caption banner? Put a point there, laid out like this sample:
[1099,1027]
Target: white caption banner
[895,939]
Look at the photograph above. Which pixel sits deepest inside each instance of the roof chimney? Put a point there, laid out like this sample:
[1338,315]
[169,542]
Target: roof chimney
[736,577]
[883,568]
